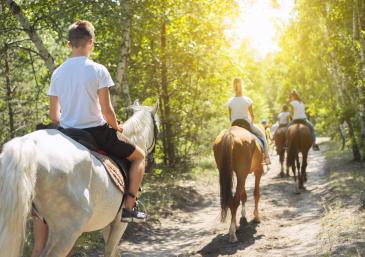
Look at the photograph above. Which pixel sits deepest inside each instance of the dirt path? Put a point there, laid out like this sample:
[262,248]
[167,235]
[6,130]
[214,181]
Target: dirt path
[290,223]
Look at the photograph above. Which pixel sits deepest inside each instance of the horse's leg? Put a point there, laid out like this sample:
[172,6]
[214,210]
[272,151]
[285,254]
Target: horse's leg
[295,177]
[61,240]
[233,226]
[244,197]
[304,167]
[286,165]
[233,207]
[282,154]
[116,231]
[106,232]
[258,174]
[300,173]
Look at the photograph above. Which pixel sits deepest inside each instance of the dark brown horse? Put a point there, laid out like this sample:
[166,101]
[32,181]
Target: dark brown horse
[236,150]
[299,141]
[280,140]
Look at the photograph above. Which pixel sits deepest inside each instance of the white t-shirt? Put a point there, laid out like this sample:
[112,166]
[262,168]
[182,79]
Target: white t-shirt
[299,110]
[76,83]
[283,117]
[239,108]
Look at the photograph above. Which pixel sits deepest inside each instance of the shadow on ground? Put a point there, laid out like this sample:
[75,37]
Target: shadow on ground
[246,235]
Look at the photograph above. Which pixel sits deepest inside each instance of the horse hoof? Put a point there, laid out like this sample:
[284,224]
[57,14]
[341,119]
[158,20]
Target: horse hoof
[257,220]
[233,239]
[282,174]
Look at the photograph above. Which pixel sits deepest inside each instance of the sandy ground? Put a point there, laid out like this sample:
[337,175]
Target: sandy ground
[289,227]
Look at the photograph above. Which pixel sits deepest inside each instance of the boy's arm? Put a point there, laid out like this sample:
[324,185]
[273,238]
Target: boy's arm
[54,109]
[107,108]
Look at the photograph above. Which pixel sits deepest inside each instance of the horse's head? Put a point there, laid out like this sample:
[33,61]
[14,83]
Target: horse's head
[142,128]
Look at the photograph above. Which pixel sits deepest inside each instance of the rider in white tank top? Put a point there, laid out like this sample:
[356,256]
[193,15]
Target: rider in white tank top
[240,108]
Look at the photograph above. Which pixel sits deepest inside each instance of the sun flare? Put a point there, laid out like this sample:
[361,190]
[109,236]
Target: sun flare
[259,22]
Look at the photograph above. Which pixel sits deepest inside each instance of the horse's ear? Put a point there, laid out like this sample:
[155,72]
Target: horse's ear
[136,102]
[155,107]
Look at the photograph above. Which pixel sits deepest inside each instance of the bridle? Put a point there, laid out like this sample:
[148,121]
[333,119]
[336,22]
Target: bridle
[151,149]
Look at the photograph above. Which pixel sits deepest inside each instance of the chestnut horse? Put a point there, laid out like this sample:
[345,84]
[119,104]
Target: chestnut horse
[236,149]
[299,141]
[280,140]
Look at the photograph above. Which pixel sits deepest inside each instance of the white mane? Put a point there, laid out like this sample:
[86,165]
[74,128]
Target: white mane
[140,128]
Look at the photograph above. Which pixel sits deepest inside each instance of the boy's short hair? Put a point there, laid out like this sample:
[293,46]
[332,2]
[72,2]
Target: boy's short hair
[80,32]
[285,108]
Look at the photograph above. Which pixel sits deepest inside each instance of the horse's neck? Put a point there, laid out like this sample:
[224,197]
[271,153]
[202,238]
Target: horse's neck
[139,130]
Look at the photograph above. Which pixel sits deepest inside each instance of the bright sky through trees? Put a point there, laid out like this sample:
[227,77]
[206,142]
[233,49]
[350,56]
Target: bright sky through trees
[259,22]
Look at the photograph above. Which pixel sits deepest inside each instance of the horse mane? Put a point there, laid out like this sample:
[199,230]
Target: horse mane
[139,128]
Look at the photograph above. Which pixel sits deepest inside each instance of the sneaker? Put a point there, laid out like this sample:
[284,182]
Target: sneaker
[133,215]
[315,147]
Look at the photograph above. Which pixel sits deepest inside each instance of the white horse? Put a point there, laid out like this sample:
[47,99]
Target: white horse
[69,187]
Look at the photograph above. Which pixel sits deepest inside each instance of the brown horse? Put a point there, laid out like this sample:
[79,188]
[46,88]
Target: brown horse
[236,149]
[280,140]
[299,141]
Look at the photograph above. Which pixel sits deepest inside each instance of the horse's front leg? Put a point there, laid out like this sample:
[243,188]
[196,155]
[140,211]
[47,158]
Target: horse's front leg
[112,235]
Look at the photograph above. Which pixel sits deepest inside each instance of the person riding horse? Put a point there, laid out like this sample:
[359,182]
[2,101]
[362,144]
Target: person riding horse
[241,114]
[299,116]
[79,98]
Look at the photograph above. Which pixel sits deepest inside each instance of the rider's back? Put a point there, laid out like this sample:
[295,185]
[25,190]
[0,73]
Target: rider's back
[76,83]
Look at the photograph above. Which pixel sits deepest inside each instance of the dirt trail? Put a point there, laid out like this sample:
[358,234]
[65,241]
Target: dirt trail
[289,227]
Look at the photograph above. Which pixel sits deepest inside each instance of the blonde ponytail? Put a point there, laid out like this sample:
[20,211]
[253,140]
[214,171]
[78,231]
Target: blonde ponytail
[237,86]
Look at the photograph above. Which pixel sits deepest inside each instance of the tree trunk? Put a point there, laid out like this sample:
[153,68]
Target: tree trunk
[339,85]
[358,35]
[43,52]
[9,94]
[169,146]
[121,81]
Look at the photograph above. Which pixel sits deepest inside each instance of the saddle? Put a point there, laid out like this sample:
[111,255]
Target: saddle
[243,124]
[246,125]
[117,168]
[299,121]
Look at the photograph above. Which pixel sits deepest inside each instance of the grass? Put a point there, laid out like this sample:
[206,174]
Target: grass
[343,221]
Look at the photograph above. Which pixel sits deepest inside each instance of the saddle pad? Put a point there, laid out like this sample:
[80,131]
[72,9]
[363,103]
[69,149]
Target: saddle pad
[261,144]
[112,168]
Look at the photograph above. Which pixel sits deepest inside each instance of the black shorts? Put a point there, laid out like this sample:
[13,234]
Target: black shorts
[107,140]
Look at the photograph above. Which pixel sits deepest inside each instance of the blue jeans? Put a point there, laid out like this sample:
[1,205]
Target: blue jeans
[310,126]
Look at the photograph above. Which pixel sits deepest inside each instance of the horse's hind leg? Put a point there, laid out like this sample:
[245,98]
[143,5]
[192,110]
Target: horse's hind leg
[244,197]
[257,194]
[296,188]
[233,207]
[113,233]
[281,156]
[304,167]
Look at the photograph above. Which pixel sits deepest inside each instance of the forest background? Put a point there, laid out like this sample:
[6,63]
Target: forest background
[182,54]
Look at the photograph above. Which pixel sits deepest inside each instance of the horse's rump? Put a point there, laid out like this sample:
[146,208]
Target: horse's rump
[299,141]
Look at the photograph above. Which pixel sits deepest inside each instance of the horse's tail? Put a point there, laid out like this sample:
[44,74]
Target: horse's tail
[293,147]
[225,174]
[17,181]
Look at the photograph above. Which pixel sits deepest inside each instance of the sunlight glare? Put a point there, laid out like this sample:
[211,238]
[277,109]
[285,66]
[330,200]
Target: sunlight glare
[258,23]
